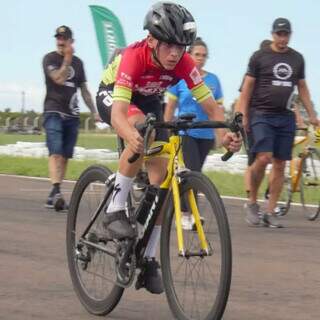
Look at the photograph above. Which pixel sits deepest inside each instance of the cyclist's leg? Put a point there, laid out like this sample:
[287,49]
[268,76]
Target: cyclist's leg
[116,222]
[150,276]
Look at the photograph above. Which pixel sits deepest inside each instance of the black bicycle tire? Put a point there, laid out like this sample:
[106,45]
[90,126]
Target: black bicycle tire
[96,307]
[313,216]
[217,310]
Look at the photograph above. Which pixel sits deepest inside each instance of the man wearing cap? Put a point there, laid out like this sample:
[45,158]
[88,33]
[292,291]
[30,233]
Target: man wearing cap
[64,74]
[273,74]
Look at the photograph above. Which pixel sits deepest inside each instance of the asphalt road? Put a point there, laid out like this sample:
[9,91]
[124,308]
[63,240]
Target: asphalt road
[276,273]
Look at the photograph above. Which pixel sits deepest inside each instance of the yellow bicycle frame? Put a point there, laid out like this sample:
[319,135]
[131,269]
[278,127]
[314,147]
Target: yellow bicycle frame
[296,163]
[176,165]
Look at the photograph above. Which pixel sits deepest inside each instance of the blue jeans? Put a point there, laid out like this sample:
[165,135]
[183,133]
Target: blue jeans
[61,133]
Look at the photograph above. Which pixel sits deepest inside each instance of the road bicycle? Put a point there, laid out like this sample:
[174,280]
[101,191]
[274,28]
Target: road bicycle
[303,175]
[196,265]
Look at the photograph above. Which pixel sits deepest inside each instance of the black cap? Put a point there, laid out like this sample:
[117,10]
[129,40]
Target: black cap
[64,31]
[281,24]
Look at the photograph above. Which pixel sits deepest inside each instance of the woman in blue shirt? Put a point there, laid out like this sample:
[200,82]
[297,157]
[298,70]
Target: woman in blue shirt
[196,143]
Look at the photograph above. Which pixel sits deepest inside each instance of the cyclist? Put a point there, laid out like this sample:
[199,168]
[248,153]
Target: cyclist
[196,143]
[131,84]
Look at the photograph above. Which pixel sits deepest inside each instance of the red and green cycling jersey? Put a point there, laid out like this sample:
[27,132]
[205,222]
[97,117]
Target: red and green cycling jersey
[134,72]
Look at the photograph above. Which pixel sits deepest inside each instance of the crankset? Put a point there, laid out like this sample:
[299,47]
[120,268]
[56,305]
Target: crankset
[125,263]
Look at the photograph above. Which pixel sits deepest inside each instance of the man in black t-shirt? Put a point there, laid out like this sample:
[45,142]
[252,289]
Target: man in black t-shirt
[64,74]
[272,75]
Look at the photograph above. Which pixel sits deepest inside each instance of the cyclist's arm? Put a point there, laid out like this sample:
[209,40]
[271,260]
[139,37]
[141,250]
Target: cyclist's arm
[119,121]
[304,95]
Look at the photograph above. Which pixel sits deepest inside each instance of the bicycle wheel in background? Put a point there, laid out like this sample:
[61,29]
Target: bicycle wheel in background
[310,185]
[197,287]
[92,271]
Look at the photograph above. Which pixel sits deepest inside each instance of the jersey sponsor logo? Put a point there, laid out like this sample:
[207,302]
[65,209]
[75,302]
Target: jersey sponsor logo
[195,76]
[126,76]
[148,76]
[166,77]
[282,71]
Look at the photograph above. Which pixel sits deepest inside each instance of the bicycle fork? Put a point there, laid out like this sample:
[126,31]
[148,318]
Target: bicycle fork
[178,216]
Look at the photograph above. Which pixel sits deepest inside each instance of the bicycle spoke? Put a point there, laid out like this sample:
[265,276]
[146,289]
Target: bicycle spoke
[195,286]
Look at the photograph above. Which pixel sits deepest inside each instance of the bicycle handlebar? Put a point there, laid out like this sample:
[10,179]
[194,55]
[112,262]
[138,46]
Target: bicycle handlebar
[185,123]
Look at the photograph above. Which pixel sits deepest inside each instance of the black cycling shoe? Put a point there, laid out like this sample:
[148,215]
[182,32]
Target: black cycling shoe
[150,277]
[59,203]
[117,225]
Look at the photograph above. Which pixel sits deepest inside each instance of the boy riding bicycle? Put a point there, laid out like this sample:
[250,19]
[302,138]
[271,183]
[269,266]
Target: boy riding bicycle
[132,84]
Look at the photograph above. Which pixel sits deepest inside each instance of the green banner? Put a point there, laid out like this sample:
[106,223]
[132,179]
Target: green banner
[109,32]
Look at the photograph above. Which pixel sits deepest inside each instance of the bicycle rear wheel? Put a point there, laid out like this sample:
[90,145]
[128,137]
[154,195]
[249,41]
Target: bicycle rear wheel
[310,185]
[92,271]
[197,287]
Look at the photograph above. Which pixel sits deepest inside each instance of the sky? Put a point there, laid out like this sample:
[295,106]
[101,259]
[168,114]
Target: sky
[233,30]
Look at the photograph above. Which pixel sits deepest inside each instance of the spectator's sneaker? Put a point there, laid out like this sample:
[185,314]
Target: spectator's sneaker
[188,222]
[271,221]
[117,225]
[252,216]
[280,211]
[59,203]
[150,277]
[49,203]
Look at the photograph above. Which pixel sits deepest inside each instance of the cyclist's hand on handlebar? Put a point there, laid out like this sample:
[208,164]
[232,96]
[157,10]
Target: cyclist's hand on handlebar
[232,142]
[135,142]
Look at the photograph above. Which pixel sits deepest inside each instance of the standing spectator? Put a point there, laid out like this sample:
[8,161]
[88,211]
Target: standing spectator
[265,44]
[269,84]
[64,73]
[196,143]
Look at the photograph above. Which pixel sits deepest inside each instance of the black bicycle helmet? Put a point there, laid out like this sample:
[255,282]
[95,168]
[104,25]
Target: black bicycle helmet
[171,23]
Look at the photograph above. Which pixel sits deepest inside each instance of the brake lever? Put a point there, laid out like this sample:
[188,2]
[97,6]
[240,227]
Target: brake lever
[145,130]
[236,126]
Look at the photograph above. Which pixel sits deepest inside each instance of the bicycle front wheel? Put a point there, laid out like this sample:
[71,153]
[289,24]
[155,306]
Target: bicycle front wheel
[92,271]
[197,286]
[310,185]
